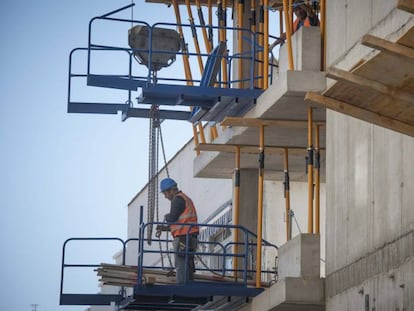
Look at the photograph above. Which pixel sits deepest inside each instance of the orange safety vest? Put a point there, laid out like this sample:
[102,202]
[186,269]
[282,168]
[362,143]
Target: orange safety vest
[188,216]
[306,23]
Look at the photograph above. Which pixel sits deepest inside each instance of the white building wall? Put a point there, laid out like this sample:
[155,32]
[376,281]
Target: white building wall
[370,179]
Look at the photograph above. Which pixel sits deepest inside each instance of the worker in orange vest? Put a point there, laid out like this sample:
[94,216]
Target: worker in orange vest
[305,16]
[180,221]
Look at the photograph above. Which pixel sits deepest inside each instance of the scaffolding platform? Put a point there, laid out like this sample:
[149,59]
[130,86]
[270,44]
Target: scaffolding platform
[151,286]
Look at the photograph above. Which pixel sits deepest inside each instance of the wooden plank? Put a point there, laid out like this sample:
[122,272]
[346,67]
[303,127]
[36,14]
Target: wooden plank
[387,46]
[360,113]
[113,274]
[254,122]
[395,93]
[253,149]
[406,5]
[116,280]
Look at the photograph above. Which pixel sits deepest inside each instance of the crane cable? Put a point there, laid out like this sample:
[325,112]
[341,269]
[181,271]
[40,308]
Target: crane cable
[155,137]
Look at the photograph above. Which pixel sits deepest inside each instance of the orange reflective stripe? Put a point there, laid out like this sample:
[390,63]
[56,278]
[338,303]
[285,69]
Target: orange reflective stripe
[306,23]
[187,217]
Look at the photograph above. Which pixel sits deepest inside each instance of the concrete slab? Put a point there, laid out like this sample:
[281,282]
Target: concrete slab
[297,294]
[300,257]
[283,100]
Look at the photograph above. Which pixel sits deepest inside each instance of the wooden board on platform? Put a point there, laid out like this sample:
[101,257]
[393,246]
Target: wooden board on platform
[121,275]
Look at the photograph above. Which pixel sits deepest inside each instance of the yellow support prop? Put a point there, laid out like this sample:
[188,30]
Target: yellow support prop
[317,184]
[187,70]
[240,9]
[310,172]
[322,4]
[236,209]
[266,45]
[260,210]
[288,26]
[196,44]
[287,195]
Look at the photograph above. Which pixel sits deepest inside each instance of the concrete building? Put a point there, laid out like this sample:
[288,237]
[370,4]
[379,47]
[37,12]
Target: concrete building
[367,231]
[360,256]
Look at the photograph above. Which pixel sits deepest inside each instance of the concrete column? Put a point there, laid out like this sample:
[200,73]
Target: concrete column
[248,208]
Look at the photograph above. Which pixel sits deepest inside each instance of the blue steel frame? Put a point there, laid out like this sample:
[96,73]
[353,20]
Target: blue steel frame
[222,100]
[185,296]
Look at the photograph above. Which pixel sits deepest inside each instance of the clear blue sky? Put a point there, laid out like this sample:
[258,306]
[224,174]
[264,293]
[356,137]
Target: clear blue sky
[62,175]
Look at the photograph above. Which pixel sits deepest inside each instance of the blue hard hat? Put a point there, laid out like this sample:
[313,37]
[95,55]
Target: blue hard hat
[167,183]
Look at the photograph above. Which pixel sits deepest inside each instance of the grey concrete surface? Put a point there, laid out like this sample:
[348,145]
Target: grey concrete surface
[369,180]
[300,257]
[297,294]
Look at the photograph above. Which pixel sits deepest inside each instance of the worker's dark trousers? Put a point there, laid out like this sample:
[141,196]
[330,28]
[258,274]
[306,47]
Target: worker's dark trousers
[183,259]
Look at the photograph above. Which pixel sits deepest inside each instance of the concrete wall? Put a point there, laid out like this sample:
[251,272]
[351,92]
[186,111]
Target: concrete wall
[370,180]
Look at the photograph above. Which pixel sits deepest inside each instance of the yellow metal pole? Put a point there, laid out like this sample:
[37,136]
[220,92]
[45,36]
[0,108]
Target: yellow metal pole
[195,39]
[210,12]
[240,9]
[196,142]
[280,22]
[266,45]
[261,43]
[236,206]
[260,208]
[291,14]
[253,30]
[224,39]
[317,181]
[287,193]
[288,28]
[204,29]
[322,4]
[310,173]
[187,71]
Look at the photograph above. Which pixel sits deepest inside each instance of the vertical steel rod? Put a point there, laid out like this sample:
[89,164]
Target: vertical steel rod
[236,210]
[287,194]
[288,28]
[266,45]
[260,208]
[317,181]
[322,4]
[310,172]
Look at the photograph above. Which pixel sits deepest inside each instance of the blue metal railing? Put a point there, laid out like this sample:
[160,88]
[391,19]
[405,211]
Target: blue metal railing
[248,36]
[243,256]
[225,253]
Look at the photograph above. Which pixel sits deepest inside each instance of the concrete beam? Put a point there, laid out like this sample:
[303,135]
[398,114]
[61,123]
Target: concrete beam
[361,113]
[289,294]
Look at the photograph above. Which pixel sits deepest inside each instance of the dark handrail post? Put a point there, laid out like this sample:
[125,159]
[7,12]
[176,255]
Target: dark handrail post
[62,268]
[140,245]
[246,252]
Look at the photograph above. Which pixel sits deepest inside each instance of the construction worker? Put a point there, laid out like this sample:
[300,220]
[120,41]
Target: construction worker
[305,16]
[182,211]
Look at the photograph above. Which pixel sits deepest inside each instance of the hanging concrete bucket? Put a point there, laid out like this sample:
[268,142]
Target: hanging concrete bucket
[165,45]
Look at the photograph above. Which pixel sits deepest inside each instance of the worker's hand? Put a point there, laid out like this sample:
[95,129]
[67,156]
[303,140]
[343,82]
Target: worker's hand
[161,228]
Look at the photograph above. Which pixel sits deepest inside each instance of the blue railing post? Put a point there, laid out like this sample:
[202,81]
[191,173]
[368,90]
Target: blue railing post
[140,245]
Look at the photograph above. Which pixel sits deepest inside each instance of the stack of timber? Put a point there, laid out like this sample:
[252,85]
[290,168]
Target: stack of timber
[123,275]
[126,276]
